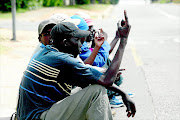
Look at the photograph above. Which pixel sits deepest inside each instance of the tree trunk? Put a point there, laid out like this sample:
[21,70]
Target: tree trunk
[93,1]
[66,2]
[72,2]
[100,1]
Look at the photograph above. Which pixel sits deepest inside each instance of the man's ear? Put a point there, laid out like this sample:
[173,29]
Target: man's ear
[40,38]
[65,42]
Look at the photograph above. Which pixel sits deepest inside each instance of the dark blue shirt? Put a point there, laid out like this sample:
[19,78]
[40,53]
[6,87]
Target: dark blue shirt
[48,79]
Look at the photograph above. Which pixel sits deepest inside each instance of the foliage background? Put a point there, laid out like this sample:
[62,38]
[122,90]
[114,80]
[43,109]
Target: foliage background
[5,5]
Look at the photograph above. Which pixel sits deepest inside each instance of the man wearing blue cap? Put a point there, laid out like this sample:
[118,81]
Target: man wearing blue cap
[99,54]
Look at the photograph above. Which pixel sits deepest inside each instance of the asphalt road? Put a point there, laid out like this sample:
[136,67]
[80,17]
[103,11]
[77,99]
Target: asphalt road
[151,58]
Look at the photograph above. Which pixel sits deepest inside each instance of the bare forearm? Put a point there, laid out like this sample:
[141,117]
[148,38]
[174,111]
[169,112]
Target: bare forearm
[111,72]
[91,58]
[116,89]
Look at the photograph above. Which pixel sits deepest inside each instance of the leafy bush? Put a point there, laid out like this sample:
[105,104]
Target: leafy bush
[114,1]
[50,3]
[81,2]
[5,5]
[34,4]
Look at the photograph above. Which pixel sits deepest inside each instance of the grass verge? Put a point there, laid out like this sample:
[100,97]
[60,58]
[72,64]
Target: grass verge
[91,7]
[167,1]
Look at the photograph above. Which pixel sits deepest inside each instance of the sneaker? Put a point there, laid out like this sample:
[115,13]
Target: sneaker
[115,102]
[131,95]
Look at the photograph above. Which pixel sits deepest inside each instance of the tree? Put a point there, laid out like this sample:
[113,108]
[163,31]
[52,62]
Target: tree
[93,1]
[5,5]
[100,1]
[72,2]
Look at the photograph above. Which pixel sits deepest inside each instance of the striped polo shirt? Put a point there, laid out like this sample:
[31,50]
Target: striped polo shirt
[48,79]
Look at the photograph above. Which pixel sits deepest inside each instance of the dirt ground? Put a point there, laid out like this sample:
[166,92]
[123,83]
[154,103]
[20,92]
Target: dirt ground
[15,55]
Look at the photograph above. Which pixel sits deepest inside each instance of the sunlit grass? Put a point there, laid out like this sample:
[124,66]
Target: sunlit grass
[92,7]
[6,15]
[167,1]
[176,1]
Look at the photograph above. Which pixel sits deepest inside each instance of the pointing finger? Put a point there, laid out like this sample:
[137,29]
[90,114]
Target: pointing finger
[126,17]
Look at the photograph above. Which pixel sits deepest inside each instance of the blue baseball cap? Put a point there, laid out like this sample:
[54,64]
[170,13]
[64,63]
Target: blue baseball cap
[82,25]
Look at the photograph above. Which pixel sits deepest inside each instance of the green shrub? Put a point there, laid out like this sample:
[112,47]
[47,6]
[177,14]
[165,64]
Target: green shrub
[81,2]
[34,4]
[50,3]
[59,3]
[5,5]
[114,1]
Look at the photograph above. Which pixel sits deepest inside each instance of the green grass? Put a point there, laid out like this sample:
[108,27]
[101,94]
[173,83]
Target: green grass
[176,1]
[167,1]
[94,7]
[6,15]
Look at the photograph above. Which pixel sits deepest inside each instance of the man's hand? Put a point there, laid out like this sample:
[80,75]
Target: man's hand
[131,109]
[124,27]
[99,39]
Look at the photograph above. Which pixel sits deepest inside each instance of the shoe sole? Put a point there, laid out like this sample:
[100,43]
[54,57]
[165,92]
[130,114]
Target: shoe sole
[116,106]
[131,96]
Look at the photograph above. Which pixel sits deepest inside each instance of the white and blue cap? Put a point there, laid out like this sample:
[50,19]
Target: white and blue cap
[60,17]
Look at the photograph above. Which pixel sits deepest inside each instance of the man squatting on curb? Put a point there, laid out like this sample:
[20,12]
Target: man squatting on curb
[44,92]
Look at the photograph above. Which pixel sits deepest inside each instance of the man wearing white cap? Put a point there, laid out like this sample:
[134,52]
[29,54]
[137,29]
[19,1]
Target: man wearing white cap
[45,27]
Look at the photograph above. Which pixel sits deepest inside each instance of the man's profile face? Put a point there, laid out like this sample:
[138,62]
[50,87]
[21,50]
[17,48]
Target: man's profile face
[74,45]
[45,37]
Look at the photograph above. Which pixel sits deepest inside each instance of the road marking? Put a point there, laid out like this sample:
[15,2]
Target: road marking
[168,15]
[136,57]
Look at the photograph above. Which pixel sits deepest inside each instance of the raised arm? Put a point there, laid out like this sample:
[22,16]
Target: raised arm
[108,78]
[117,36]
[111,72]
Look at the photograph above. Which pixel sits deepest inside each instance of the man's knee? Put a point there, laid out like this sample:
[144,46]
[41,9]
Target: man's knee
[97,89]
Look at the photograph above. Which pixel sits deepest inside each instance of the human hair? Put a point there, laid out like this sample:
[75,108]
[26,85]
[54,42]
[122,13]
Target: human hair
[39,37]
[49,26]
